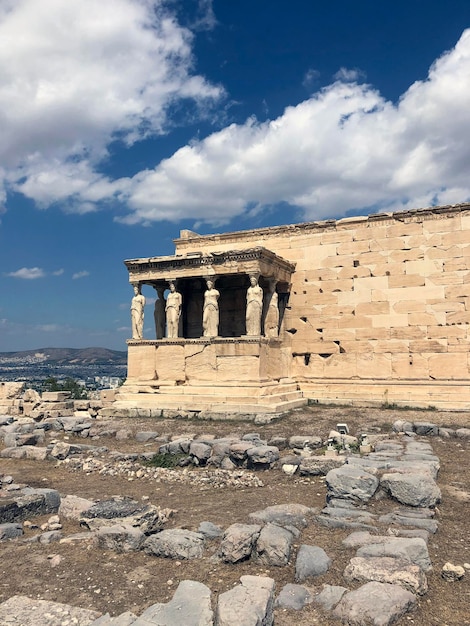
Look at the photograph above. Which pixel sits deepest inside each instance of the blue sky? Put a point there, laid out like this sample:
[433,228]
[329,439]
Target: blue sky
[123,121]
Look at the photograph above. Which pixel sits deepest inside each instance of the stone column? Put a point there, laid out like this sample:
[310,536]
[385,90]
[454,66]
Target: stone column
[271,322]
[137,312]
[173,311]
[254,307]
[159,313]
[210,315]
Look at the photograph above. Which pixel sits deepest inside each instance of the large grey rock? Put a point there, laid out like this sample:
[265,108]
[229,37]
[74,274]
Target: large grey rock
[402,426]
[238,542]
[274,545]
[200,452]
[426,428]
[149,518]
[302,441]
[375,604]
[248,604]
[293,597]
[319,465]
[31,503]
[120,538]
[311,561]
[262,456]
[238,450]
[210,530]
[351,483]
[412,550]
[427,525]
[62,450]
[146,435]
[413,489]
[190,606]
[386,569]
[329,596]
[10,531]
[291,514]
[463,433]
[175,543]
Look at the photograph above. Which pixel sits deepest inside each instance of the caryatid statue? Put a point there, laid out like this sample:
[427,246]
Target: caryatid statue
[210,316]
[159,313]
[271,322]
[137,313]
[254,307]
[173,311]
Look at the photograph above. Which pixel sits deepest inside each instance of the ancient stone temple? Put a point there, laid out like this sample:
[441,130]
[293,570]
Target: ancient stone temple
[365,310]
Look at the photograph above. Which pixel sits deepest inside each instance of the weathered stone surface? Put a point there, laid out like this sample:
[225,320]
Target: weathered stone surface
[248,604]
[463,433]
[375,604]
[297,515]
[238,542]
[146,435]
[412,550]
[319,465]
[210,530]
[351,483]
[329,596]
[451,572]
[426,428]
[32,502]
[120,538]
[175,543]
[413,489]
[149,518]
[311,561]
[293,597]
[262,455]
[200,451]
[190,605]
[273,546]
[23,611]
[402,426]
[73,507]
[428,525]
[300,441]
[10,531]
[387,569]
[125,619]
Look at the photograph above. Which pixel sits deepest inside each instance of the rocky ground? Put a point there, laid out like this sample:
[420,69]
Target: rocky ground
[85,575]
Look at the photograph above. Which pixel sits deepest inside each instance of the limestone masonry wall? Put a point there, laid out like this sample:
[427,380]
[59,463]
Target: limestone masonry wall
[379,308]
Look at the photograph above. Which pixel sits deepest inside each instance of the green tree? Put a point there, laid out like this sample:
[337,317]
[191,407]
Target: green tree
[70,384]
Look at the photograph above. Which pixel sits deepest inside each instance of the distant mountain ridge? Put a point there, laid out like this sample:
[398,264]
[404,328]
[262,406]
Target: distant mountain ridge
[63,356]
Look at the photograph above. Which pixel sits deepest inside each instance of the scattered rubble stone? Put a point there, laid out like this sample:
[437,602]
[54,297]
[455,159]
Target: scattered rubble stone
[451,572]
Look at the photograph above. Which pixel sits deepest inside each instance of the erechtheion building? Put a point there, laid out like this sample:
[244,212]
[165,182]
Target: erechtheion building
[361,310]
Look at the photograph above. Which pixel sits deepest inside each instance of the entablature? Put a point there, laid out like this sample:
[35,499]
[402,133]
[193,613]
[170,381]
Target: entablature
[258,260]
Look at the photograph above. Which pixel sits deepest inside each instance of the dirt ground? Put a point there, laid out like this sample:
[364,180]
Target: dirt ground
[92,578]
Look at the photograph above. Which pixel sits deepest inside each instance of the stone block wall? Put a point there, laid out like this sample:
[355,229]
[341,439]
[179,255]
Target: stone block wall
[379,308]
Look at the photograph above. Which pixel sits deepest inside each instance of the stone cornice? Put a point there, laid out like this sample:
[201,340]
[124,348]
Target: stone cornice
[410,215]
[197,264]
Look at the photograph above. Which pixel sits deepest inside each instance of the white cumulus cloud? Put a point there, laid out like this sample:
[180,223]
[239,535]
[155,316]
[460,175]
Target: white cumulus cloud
[28,273]
[344,148]
[75,76]
[81,274]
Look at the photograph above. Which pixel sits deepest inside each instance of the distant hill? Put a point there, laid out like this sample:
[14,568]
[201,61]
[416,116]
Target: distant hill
[69,356]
